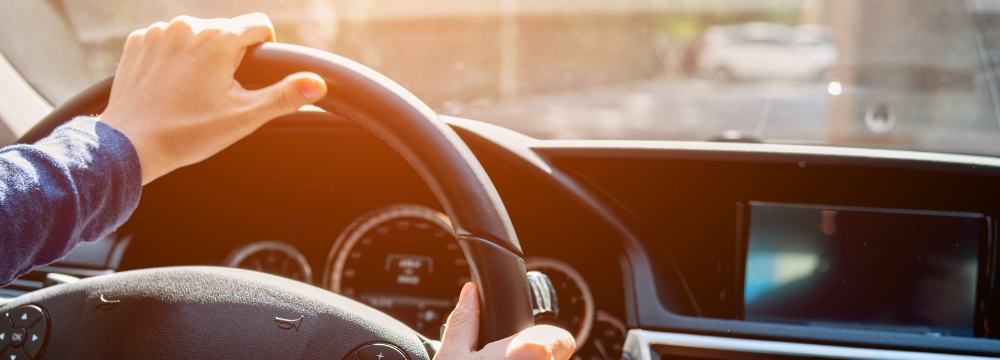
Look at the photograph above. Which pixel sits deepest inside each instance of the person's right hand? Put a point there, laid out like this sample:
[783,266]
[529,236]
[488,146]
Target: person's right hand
[175,98]
[461,337]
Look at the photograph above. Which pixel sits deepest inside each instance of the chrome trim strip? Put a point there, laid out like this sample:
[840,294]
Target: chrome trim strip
[73,271]
[7,295]
[638,344]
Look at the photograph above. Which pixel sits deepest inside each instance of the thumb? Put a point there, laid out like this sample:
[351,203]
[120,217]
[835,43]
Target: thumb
[288,95]
[462,334]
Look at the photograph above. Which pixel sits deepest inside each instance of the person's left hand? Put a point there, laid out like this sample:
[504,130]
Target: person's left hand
[461,337]
[175,98]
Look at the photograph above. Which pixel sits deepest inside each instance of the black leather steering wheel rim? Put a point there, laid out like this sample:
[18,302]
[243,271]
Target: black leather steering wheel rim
[408,125]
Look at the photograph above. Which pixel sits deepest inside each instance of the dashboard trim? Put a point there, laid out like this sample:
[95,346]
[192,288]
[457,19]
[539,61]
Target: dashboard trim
[751,147]
[796,155]
[638,343]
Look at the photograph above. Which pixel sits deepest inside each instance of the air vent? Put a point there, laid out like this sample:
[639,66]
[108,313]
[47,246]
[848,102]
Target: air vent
[87,259]
[29,282]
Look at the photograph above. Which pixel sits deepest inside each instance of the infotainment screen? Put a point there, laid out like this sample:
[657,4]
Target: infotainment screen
[863,268]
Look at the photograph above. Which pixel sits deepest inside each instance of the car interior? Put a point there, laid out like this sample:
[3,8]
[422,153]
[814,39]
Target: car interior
[372,209]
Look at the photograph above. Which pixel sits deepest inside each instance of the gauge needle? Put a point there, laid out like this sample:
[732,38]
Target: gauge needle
[600,348]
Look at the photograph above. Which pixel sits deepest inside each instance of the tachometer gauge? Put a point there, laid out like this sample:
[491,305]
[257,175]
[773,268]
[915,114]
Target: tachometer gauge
[272,257]
[403,260]
[576,304]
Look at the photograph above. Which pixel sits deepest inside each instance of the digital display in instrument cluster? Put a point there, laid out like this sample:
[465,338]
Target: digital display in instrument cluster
[403,260]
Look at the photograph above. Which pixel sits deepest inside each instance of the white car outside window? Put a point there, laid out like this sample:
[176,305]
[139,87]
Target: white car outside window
[758,51]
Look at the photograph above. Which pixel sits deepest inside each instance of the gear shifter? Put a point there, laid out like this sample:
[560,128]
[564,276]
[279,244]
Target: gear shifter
[544,302]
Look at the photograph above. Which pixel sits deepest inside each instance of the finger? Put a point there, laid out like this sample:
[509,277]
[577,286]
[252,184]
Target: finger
[159,25]
[462,334]
[536,342]
[133,43]
[253,29]
[134,38]
[288,95]
[542,342]
[155,30]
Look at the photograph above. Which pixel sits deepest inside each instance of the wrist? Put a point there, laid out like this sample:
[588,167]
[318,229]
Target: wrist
[138,142]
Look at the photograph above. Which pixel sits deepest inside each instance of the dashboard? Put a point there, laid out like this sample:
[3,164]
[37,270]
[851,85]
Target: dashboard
[657,250]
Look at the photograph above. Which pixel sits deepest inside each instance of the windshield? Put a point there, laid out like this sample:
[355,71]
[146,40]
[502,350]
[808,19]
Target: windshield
[918,75]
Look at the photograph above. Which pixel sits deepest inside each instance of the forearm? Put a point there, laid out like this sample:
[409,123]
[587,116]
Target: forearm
[78,184]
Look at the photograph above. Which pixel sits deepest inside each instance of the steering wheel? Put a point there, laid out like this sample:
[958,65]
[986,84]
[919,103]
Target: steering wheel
[215,312]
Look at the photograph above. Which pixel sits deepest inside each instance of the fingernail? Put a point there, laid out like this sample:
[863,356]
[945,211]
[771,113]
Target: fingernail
[466,290]
[313,87]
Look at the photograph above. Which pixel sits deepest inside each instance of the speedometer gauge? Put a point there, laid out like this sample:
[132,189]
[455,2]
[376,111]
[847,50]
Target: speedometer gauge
[272,257]
[576,304]
[403,260]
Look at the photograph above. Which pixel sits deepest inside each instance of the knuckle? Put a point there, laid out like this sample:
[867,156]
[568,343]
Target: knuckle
[154,31]
[183,19]
[459,320]
[135,36]
[180,25]
[213,29]
[253,21]
[156,27]
[462,317]
[288,101]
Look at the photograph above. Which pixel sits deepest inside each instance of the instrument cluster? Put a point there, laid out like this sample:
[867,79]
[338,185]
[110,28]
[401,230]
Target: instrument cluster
[405,260]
